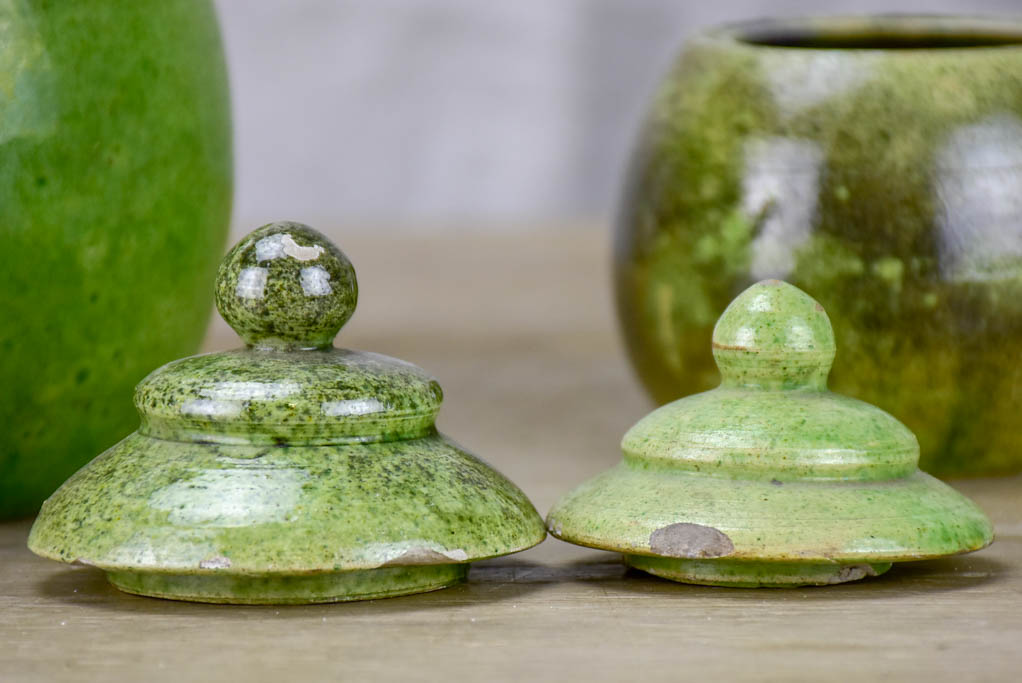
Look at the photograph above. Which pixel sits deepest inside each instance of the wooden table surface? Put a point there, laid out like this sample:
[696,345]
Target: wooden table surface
[521,334]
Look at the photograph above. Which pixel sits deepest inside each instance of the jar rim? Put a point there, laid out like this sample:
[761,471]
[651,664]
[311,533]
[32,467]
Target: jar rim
[888,33]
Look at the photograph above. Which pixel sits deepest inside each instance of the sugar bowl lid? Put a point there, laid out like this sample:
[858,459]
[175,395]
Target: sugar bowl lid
[287,290]
[288,471]
[770,479]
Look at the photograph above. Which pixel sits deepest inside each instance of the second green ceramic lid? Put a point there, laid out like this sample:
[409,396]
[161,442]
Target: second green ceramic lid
[770,479]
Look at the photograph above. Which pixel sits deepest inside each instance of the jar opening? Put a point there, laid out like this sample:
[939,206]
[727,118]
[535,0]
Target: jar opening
[881,33]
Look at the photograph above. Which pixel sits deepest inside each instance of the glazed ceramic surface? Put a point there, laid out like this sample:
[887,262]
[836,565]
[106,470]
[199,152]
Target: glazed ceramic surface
[770,479]
[290,470]
[878,164]
[115,186]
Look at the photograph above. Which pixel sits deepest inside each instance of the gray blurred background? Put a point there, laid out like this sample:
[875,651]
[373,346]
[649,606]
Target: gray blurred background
[425,115]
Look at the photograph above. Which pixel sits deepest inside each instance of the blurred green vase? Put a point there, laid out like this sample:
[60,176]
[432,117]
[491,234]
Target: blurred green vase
[115,194]
[875,163]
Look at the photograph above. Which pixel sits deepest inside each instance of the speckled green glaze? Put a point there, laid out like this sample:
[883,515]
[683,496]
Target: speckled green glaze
[285,472]
[874,162]
[770,479]
[286,286]
[115,195]
[332,396]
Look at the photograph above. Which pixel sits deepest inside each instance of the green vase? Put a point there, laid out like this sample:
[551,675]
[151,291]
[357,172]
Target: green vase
[115,193]
[875,163]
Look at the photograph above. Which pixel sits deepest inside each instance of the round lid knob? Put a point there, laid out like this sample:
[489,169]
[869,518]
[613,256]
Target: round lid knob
[774,335]
[286,286]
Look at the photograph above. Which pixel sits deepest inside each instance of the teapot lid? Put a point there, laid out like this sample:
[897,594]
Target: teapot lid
[287,290]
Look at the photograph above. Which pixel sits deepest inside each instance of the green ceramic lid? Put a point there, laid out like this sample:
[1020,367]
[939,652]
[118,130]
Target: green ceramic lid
[770,467]
[288,470]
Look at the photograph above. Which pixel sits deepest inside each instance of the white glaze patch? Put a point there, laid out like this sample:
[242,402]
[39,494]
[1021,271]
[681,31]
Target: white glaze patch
[209,408]
[233,497]
[251,283]
[980,224]
[316,281]
[352,407]
[780,189]
[251,391]
[799,83]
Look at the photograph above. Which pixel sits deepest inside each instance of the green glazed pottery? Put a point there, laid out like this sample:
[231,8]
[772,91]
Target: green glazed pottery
[770,479]
[288,471]
[876,162]
[115,193]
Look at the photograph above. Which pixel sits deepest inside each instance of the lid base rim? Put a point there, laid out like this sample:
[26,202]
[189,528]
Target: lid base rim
[752,574]
[343,586]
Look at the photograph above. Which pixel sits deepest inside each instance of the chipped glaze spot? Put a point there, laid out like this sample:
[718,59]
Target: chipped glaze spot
[279,245]
[685,539]
[216,563]
[418,552]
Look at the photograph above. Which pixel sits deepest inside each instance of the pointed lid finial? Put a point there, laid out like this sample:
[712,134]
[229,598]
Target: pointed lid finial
[774,335]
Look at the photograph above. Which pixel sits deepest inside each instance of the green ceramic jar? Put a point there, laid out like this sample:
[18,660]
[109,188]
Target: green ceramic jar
[115,187]
[875,162]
